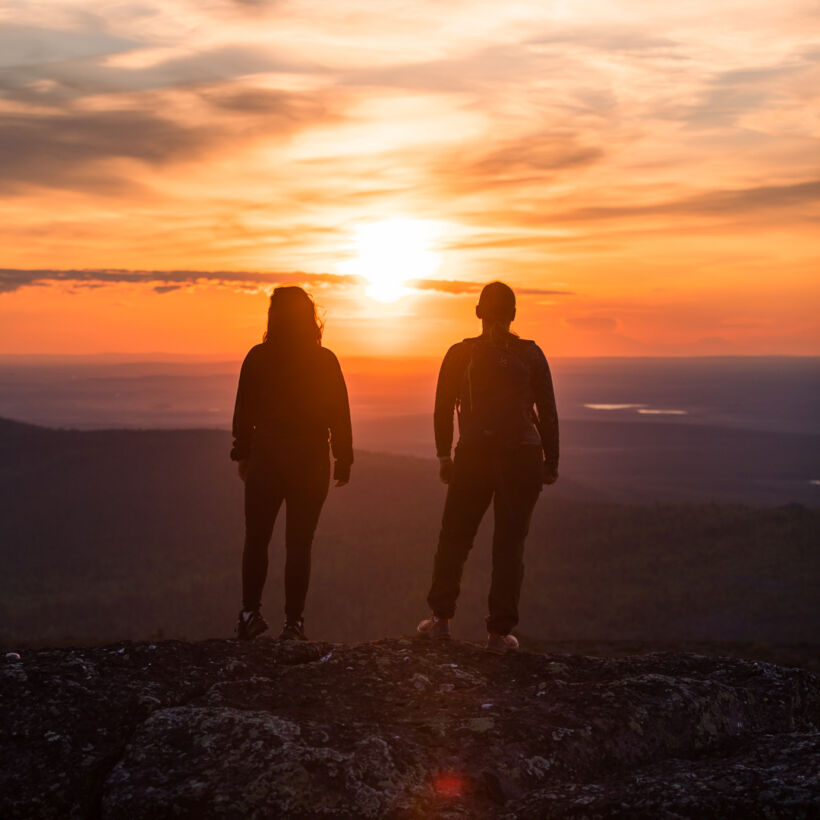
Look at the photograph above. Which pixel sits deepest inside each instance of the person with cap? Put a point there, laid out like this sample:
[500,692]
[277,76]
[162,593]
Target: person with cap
[501,389]
[290,401]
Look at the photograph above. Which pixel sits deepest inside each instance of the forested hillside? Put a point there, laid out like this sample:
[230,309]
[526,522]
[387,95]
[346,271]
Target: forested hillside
[113,534]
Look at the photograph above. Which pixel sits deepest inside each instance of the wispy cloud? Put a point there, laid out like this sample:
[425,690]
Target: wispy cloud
[165,281]
[57,150]
[518,164]
[735,203]
[458,287]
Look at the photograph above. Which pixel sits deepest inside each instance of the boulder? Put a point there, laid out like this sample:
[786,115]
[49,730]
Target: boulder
[401,728]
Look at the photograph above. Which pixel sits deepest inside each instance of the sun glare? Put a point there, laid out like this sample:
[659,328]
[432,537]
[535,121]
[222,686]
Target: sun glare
[390,253]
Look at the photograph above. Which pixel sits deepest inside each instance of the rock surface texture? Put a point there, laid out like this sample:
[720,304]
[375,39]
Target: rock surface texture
[402,728]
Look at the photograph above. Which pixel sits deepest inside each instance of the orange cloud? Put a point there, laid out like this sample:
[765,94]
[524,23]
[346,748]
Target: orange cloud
[660,169]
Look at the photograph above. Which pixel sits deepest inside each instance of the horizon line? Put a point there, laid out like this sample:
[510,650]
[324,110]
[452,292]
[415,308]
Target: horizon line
[216,358]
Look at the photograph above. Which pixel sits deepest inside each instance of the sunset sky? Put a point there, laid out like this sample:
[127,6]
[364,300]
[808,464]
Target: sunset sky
[645,175]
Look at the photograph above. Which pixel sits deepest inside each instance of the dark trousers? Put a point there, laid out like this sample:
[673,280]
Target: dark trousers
[300,478]
[512,479]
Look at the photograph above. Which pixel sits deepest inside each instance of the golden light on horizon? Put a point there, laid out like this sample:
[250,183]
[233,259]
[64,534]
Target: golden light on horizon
[390,253]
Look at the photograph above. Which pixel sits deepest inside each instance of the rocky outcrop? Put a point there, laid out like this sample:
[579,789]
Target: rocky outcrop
[401,728]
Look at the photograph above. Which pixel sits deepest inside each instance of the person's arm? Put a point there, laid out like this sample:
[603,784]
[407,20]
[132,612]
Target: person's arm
[449,379]
[341,432]
[547,414]
[243,415]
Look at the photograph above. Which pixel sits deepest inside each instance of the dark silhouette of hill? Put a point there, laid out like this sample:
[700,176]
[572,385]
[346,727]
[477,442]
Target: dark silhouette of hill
[747,434]
[640,463]
[401,728]
[119,534]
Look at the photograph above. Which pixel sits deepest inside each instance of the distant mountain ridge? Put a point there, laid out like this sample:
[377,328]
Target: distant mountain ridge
[607,460]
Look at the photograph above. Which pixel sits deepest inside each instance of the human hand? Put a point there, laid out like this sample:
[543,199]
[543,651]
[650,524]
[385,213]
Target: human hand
[445,470]
[550,474]
[341,472]
[243,465]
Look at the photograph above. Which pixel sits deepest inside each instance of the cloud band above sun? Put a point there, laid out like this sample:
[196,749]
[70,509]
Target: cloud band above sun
[164,281]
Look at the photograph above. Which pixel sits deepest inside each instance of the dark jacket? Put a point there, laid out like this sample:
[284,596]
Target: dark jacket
[292,398]
[538,421]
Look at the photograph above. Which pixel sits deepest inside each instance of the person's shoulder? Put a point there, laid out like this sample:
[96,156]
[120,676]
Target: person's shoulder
[463,347]
[327,357]
[256,352]
[458,355]
[531,349]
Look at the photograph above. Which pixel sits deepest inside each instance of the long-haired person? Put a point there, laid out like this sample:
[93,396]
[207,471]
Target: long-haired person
[290,401]
[501,387]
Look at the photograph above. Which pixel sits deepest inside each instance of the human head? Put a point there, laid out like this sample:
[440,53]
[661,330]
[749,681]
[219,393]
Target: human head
[496,303]
[292,317]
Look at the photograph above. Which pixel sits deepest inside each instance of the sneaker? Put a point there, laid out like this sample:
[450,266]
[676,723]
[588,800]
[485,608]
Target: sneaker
[501,644]
[250,626]
[293,631]
[436,628]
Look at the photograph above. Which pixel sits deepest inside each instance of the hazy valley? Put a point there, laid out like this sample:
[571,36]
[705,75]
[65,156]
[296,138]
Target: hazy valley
[131,534]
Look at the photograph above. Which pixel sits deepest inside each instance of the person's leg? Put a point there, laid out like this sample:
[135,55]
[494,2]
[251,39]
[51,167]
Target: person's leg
[263,498]
[468,496]
[305,497]
[519,480]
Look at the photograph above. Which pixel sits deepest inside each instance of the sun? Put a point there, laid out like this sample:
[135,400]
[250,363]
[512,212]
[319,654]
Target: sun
[391,252]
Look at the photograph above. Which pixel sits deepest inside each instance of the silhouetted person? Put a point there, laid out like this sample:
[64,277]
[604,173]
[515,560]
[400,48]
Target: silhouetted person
[291,395]
[501,387]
